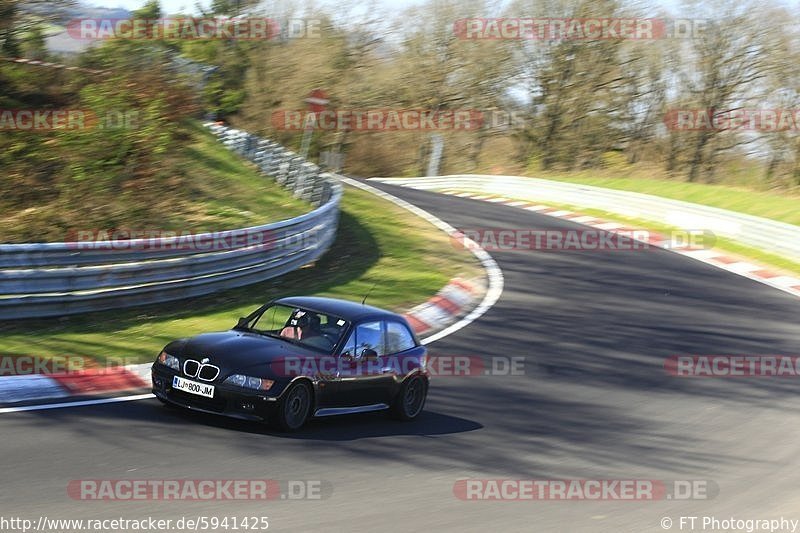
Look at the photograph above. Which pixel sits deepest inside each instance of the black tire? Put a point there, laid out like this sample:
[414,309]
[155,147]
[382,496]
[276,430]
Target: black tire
[294,407]
[410,401]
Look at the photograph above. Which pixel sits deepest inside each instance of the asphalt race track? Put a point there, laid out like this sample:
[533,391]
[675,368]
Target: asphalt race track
[594,403]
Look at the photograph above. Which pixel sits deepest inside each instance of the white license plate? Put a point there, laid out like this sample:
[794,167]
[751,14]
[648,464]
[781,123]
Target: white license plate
[193,387]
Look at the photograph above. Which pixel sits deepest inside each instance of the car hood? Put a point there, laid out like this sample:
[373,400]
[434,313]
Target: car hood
[239,351]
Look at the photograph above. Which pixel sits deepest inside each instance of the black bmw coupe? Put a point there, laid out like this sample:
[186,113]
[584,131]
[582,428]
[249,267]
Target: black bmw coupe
[297,358]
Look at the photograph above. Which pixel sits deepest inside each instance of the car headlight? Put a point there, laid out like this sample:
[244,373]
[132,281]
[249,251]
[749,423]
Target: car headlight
[249,382]
[168,360]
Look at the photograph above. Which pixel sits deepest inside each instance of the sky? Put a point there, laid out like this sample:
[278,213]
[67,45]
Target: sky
[188,6]
[170,6]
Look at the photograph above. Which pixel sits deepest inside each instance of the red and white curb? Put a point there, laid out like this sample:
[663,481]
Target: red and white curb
[716,258]
[89,382]
[454,300]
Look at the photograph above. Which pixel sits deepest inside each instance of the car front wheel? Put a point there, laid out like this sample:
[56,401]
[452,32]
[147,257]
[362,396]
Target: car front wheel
[411,399]
[295,407]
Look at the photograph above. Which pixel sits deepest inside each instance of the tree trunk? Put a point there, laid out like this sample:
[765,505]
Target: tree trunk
[697,159]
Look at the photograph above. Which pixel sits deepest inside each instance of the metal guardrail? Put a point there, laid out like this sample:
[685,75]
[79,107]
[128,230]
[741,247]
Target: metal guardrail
[769,235]
[54,279]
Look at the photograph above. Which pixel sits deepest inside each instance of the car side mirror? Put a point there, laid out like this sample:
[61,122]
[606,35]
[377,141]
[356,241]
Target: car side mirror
[369,353]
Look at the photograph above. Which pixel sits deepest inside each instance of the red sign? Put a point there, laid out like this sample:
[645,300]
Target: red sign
[317,100]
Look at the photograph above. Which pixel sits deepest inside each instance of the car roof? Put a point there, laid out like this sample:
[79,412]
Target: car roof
[352,311]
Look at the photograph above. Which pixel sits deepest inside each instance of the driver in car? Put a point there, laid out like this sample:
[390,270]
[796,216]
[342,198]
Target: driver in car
[302,325]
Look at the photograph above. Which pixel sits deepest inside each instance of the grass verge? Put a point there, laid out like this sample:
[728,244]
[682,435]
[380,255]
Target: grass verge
[407,260]
[205,187]
[740,188]
[781,206]
[734,248]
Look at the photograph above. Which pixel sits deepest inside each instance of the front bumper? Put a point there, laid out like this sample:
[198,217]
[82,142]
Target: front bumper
[227,401]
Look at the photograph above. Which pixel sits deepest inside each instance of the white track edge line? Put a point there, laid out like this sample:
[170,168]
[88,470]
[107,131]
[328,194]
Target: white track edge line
[76,404]
[493,271]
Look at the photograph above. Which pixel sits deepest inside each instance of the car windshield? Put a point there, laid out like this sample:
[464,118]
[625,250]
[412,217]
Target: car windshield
[305,327]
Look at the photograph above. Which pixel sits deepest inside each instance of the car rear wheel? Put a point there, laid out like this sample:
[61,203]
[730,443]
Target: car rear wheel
[411,399]
[295,407]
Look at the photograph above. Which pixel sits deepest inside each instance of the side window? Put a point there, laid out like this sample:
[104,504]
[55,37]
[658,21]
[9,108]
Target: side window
[398,338]
[367,335]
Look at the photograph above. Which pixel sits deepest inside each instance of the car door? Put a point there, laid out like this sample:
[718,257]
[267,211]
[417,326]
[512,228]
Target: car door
[363,379]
